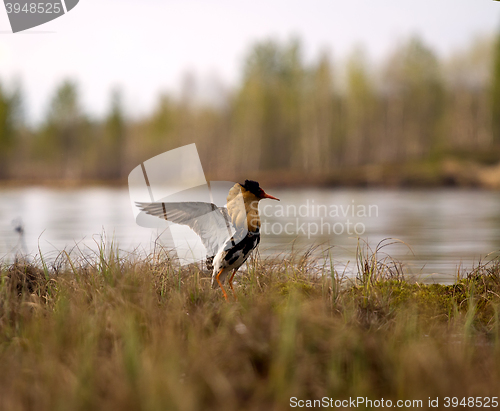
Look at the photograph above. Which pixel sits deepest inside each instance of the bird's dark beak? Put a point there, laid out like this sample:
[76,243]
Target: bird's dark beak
[265,195]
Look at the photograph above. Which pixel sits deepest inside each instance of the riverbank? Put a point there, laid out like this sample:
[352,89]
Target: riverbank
[113,333]
[452,171]
[458,171]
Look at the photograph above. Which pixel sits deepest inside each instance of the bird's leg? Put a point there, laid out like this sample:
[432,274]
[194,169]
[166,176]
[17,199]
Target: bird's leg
[220,284]
[231,283]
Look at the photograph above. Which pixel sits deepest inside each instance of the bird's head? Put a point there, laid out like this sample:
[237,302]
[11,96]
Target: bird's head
[252,188]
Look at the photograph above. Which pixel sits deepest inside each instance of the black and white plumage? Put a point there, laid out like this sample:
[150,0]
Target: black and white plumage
[233,255]
[211,223]
[229,234]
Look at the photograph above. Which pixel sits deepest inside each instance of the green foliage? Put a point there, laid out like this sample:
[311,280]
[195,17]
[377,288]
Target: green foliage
[290,118]
[413,75]
[115,134]
[9,117]
[495,91]
[269,103]
[62,138]
[360,110]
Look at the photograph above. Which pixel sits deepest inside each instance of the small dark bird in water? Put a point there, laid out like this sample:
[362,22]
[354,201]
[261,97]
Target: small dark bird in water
[19,229]
[229,234]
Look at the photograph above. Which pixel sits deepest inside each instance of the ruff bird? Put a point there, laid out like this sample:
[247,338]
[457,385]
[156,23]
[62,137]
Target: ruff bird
[229,234]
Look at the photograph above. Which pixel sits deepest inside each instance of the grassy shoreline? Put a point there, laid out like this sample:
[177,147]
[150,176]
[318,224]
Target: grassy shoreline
[119,334]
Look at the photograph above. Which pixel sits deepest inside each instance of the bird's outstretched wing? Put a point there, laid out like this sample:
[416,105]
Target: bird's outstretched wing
[211,223]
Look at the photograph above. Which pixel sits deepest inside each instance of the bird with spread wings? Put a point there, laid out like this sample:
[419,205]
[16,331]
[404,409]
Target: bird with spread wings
[229,234]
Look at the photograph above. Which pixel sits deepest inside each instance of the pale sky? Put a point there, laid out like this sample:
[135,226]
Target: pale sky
[145,46]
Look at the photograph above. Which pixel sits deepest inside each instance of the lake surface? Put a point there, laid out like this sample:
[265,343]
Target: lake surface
[447,230]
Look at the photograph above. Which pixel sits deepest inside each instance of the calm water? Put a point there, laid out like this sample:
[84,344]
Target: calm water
[445,229]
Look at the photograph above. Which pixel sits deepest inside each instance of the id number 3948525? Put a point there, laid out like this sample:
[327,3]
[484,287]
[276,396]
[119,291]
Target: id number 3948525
[33,8]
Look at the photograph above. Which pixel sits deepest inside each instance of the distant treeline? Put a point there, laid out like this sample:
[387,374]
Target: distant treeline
[288,116]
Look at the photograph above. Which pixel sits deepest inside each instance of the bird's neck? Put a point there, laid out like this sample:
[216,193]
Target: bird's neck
[243,208]
[253,218]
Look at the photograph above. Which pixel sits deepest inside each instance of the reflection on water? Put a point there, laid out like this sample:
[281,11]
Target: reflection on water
[444,228]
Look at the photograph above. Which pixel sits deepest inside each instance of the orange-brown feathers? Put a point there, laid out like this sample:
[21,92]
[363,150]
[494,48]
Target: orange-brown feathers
[243,208]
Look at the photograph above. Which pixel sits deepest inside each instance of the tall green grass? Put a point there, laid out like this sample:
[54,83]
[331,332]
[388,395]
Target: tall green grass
[118,333]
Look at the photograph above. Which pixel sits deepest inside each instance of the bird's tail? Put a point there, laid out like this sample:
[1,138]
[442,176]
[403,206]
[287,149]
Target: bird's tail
[210,263]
